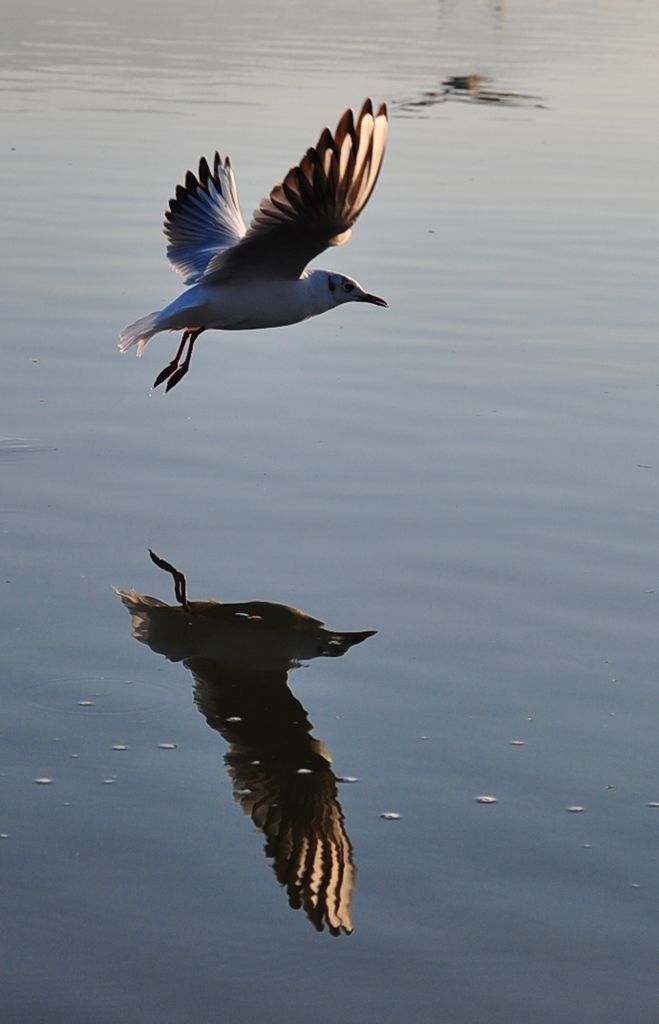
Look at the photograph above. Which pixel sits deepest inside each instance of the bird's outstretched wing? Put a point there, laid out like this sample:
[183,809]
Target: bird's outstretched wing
[203,219]
[314,206]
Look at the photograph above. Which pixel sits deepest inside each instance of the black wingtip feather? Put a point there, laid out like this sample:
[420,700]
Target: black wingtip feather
[204,171]
[367,108]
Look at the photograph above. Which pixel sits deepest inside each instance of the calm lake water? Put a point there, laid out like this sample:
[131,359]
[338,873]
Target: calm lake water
[472,473]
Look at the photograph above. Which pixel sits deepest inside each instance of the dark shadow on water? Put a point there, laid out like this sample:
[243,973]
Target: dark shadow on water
[471,88]
[240,656]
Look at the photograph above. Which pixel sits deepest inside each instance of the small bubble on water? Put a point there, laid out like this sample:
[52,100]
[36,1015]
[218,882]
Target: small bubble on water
[304,771]
[119,746]
[108,782]
[390,816]
[85,703]
[43,781]
[485,799]
[586,846]
[4,835]
[575,809]
[167,746]
[75,756]
[233,718]
[517,743]
[635,885]
[255,762]
[653,803]
[347,778]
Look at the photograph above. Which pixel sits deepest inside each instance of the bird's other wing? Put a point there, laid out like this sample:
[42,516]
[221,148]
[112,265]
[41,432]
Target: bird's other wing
[314,206]
[203,219]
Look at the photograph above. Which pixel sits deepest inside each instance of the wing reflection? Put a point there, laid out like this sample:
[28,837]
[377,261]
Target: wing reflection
[240,656]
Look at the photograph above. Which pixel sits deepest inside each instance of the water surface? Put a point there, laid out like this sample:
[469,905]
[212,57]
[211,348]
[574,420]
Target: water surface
[472,473]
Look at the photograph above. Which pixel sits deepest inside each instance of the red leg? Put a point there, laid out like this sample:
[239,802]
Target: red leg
[171,367]
[179,372]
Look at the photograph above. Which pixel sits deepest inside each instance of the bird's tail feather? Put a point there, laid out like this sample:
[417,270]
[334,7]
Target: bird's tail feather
[139,333]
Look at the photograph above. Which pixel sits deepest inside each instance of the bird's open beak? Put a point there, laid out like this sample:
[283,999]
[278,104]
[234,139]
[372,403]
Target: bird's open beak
[374,299]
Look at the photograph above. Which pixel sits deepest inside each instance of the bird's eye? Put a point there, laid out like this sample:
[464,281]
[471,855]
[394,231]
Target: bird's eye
[348,286]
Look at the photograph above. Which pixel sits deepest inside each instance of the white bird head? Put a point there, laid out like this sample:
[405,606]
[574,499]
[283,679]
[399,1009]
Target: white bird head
[345,289]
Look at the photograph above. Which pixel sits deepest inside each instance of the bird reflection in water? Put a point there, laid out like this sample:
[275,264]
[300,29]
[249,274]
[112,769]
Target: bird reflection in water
[240,656]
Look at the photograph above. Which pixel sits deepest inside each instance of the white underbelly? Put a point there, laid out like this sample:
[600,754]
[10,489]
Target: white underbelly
[242,306]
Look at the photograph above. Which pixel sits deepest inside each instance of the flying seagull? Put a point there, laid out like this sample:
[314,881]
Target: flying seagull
[244,278]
